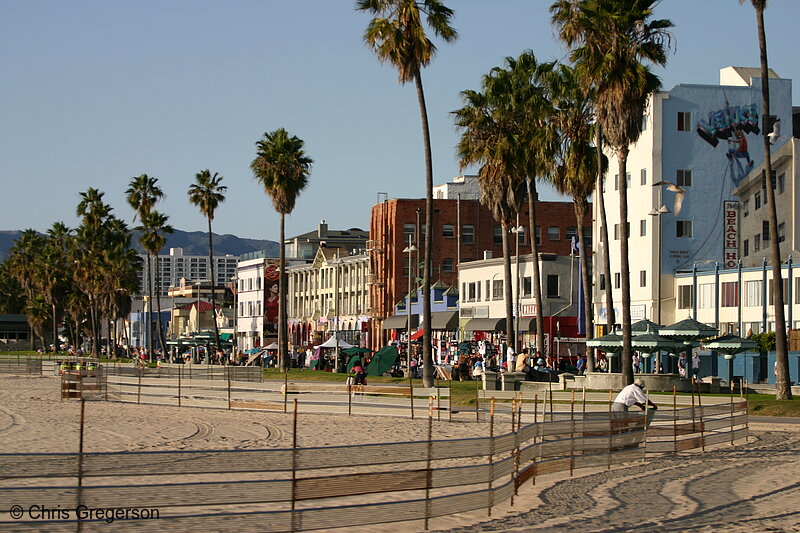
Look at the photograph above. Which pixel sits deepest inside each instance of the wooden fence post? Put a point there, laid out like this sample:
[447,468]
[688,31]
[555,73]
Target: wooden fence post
[286,388]
[477,403]
[610,429]
[450,398]
[228,369]
[700,415]
[571,432]
[80,461]
[491,453]
[410,388]
[674,419]
[180,372]
[294,525]
[516,445]
[349,399]
[139,388]
[535,435]
[428,472]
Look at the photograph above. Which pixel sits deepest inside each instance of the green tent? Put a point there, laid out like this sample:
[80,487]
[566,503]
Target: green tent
[382,361]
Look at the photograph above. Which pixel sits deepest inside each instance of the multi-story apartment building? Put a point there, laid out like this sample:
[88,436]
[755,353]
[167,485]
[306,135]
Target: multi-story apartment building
[305,245]
[463,231]
[329,295]
[176,266]
[699,142]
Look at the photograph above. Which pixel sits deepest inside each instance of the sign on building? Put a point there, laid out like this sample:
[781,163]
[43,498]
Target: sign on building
[730,246]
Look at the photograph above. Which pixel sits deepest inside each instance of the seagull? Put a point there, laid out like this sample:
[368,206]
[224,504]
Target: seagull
[776,132]
[679,193]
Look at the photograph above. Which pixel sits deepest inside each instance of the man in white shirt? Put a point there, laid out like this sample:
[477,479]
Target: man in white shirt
[633,394]
[510,358]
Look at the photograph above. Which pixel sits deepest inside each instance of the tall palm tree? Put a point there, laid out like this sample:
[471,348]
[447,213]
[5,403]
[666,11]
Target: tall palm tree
[577,166]
[142,194]
[497,127]
[612,40]
[22,262]
[282,167]
[207,192]
[783,389]
[55,274]
[396,34]
[153,238]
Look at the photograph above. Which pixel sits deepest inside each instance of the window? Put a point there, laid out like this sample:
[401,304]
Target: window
[757,201]
[765,230]
[553,233]
[745,208]
[683,228]
[448,264]
[643,229]
[684,121]
[616,182]
[771,293]
[752,293]
[552,286]
[497,289]
[643,176]
[729,293]
[643,278]
[468,234]
[685,297]
[448,230]
[781,232]
[705,296]
[497,235]
[628,180]
[527,286]
[684,178]
[617,280]
[756,243]
[782,183]
[644,122]
[746,247]
[488,290]
[797,290]
[473,288]
[538,235]
[409,233]
[617,232]
[572,232]
[406,267]
[603,282]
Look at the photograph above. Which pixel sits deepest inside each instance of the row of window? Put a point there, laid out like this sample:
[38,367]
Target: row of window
[468,233]
[683,178]
[778,185]
[752,295]
[494,289]
[618,280]
[683,228]
[763,238]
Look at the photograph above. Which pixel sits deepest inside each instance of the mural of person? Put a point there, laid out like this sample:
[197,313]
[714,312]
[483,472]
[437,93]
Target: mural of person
[271,307]
[738,147]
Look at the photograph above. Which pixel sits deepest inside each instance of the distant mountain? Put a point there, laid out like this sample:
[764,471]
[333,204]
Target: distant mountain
[192,242]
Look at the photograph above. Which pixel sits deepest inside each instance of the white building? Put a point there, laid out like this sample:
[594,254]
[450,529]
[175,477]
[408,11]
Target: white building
[330,294]
[464,187]
[687,141]
[482,303]
[193,268]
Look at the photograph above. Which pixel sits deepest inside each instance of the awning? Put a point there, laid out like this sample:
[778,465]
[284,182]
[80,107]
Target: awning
[400,322]
[417,334]
[527,323]
[486,324]
[444,320]
[225,336]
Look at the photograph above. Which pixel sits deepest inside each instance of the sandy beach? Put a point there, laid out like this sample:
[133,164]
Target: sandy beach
[747,487]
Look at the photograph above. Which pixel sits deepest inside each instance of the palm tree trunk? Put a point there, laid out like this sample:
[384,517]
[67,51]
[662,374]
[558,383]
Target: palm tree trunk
[427,348]
[162,341]
[536,275]
[601,207]
[508,291]
[213,281]
[580,215]
[283,351]
[625,269]
[147,316]
[783,390]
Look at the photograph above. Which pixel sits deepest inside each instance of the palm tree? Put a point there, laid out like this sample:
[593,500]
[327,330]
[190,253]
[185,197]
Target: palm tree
[207,193]
[497,127]
[55,274]
[397,35]
[142,194]
[577,166]
[282,167]
[783,390]
[611,40]
[153,238]
[22,262]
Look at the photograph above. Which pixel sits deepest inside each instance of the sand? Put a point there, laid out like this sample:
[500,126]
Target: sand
[749,487]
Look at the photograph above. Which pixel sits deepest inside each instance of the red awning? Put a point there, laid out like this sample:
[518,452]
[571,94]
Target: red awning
[417,334]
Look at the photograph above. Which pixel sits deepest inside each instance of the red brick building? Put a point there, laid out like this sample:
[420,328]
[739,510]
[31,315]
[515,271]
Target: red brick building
[460,227]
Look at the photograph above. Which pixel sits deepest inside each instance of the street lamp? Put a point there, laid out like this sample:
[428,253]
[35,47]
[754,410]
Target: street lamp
[410,249]
[516,231]
[657,214]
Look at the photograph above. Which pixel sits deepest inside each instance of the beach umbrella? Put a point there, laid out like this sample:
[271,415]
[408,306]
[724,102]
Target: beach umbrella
[730,345]
[382,361]
[688,330]
[644,326]
[610,343]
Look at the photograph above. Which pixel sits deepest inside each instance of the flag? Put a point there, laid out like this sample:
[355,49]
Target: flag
[573,247]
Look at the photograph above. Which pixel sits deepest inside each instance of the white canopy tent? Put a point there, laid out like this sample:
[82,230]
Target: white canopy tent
[331,343]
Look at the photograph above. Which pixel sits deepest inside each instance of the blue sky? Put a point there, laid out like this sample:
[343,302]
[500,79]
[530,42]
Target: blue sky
[96,92]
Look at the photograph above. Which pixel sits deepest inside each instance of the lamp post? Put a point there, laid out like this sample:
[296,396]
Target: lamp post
[657,214]
[516,231]
[410,249]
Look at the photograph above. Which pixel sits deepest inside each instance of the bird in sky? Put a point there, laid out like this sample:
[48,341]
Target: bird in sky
[679,194]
